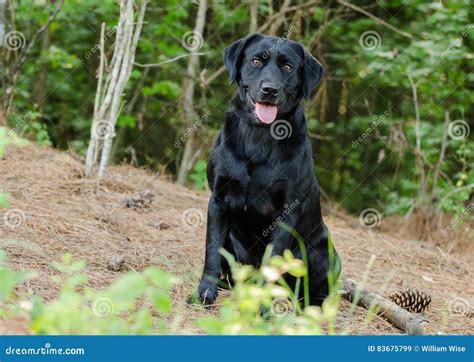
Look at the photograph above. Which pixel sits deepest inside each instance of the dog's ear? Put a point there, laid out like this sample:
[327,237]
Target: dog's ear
[312,73]
[233,55]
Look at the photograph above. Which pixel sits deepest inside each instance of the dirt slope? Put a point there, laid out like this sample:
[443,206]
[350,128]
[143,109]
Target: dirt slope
[63,212]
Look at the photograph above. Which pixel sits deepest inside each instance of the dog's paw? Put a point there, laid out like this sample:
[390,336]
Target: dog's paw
[207,292]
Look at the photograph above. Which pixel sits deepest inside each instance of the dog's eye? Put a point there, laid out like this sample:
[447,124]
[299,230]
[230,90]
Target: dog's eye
[287,68]
[256,62]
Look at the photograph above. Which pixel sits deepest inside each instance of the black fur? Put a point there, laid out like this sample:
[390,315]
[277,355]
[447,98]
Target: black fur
[256,179]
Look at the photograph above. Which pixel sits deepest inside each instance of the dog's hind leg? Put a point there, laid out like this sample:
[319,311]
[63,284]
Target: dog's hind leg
[323,272]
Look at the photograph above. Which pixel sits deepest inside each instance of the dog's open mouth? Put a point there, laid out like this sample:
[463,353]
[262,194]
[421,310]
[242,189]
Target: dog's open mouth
[266,112]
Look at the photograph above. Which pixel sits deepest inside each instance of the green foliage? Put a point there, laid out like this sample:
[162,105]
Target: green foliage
[9,279]
[41,134]
[136,303]
[164,88]
[261,303]
[199,175]
[360,85]
[119,309]
[4,203]
[10,137]
[126,120]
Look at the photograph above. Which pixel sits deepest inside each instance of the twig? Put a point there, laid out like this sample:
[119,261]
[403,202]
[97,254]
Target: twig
[98,96]
[276,23]
[378,20]
[437,167]
[417,112]
[155,65]
[282,11]
[418,152]
[399,317]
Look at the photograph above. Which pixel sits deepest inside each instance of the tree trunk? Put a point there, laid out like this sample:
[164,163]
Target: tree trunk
[253,16]
[40,89]
[277,23]
[188,96]
[109,91]
[11,76]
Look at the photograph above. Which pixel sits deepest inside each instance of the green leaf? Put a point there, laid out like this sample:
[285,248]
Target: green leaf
[126,120]
[165,88]
[162,301]
[4,203]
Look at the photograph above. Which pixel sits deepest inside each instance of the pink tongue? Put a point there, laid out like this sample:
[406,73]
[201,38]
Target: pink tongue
[265,112]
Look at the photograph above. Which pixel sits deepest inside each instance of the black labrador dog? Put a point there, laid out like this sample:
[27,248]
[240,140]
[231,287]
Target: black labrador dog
[261,170]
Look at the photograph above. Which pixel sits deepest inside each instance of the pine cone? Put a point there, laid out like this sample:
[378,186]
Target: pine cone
[413,300]
[140,200]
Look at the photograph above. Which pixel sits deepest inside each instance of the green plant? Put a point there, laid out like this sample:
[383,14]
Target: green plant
[9,279]
[10,137]
[4,203]
[78,309]
[262,303]
[199,175]
[119,309]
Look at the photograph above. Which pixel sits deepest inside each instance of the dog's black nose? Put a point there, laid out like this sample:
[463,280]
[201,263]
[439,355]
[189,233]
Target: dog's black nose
[269,89]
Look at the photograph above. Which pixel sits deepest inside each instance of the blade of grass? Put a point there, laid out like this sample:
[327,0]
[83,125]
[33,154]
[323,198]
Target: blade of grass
[304,256]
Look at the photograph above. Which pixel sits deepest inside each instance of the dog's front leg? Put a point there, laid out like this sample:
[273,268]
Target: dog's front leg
[217,232]
[281,237]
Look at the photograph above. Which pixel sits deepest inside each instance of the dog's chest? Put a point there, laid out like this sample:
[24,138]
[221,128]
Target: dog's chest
[265,191]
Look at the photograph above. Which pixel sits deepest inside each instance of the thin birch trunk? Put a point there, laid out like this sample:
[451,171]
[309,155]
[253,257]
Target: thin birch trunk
[253,16]
[40,90]
[93,149]
[188,97]
[108,102]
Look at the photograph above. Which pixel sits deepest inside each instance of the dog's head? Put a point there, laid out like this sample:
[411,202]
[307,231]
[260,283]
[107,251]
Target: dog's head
[273,74]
